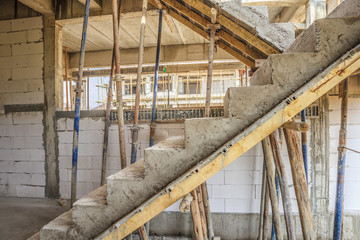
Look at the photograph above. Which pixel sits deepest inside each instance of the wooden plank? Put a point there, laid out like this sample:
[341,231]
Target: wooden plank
[284,185]
[270,174]
[300,184]
[233,27]
[195,212]
[41,6]
[204,23]
[296,126]
[94,4]
[233,149]
[236,54]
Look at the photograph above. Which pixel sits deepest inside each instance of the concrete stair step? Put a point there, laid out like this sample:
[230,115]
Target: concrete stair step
[91,213]
[60,228]
[330,36]
[348,8]
[250,103]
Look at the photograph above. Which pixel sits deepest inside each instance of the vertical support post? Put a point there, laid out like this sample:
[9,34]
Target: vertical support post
[66,80]
[271,185]
[266,212]
[300,186]
[195,212]
[77,106]
[153,110]
[304,146]
[107,110]
[284,186]
[277,195]
[168,87]
[88,93]
[135,128]
[207,210]
[262,205]
[339,205]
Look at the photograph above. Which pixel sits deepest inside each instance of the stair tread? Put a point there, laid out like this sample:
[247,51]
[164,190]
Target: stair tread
[133,172]
[172,142]
[94,199]
[62,223]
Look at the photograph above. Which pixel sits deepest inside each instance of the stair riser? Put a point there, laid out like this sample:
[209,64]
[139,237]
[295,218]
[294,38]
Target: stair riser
[259,101]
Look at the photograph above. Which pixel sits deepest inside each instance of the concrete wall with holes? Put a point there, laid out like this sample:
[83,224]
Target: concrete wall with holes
[22,155]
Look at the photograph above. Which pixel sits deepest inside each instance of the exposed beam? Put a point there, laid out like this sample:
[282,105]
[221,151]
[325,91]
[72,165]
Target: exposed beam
[274,3]
[204,23]
[234,27]
[94,4]
[41,6]
[169,54]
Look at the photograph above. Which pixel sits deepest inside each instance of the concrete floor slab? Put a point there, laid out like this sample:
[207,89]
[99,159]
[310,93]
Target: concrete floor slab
[20,218]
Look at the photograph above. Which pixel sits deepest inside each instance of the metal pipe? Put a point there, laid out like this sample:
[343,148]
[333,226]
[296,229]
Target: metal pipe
[107,111]
[77,106]
[339,205]
[66,81]
[277,194]
[120,113]
[135,128]
[153,110]
[304,145]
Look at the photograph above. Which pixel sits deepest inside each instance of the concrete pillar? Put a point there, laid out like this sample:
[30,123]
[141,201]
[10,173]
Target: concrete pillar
[315,9]
[319,143]
[52,77]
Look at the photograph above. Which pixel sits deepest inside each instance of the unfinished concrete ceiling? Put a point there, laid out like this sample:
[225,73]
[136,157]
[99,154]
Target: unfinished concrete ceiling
[100,33]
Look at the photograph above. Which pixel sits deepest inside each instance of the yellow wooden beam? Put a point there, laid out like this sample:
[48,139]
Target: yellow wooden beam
[237,55]
[235,28]
[286,110]
[274,3]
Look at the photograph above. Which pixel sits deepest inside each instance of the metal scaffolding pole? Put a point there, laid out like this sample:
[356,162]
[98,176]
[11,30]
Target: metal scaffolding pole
[77,106]
[153,111]
[339,205]
[304,145]
[135,128]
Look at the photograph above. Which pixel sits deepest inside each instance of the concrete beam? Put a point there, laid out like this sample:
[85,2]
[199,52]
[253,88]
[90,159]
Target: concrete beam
[94,4]
[274,3]
[41,6]
[169,54]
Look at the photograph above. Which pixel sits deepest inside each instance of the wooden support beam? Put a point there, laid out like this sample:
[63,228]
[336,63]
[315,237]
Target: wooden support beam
[236,54]
[283,112]
[94,4]
[296,126]
[41,6]
[234,27]
[204,23]
[270,174]
[300,184]
[284,186]
[195,212]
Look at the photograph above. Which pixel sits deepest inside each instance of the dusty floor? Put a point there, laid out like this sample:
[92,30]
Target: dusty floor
[20,218]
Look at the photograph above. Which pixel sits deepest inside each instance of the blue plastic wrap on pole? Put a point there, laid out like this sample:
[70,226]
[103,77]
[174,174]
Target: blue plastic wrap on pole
[77,105]
[339,204]
[153,112]
[304,146]
[277,194]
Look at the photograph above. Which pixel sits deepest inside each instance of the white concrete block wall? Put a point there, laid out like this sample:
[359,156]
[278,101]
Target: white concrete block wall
[22,155]
[352,162]
[90,150]
[21,61]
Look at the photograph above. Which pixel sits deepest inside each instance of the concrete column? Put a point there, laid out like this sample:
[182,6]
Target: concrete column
[319,142]
[51,81]
[315,9]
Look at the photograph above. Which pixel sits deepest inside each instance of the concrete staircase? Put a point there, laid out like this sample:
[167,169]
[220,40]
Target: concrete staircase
[282,86]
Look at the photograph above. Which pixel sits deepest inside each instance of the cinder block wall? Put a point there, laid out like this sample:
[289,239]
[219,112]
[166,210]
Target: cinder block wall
[22,155]
[352,164]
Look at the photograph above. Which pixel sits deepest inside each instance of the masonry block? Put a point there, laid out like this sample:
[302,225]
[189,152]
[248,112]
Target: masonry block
[37,179]
[6,142]
[19,178]
[27,73]
[5,50]
[35,35]
[5,74]
[27,118]
[35,130]
[3,178]
[233,191]
[30,191]
[33,60]
[243,177]
[5,26]
[13,37]
[242,205]
[26,23]
[27,48]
